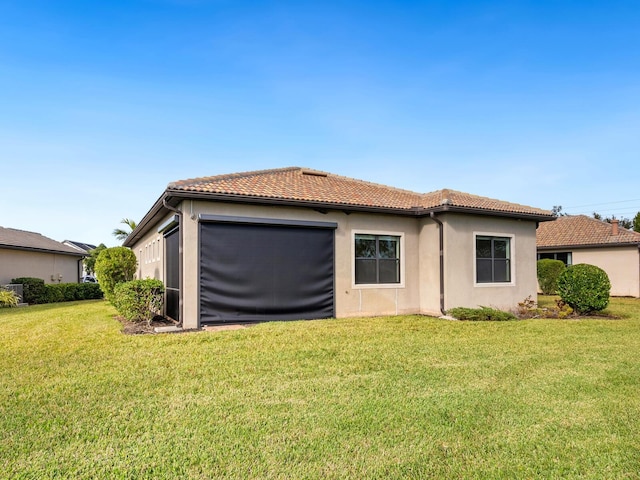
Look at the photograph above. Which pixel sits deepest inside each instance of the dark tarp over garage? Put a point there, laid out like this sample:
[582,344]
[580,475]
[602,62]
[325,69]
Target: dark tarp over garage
[259,270]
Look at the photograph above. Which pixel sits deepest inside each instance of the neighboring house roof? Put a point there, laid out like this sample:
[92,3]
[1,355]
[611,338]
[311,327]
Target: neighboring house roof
[83,247]
[582,231]
[23,240]
[297,186]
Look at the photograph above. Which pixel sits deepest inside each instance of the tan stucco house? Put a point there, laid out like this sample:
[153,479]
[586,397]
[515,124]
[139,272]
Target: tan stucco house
[580,239]
[295,243]
[30,254]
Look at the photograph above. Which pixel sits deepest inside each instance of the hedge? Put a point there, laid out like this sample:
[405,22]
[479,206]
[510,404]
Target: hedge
[35,291]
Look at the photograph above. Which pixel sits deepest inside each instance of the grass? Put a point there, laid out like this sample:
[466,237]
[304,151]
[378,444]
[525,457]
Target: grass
[388,397]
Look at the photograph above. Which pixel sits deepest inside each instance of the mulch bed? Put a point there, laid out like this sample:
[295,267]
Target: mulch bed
[131,328]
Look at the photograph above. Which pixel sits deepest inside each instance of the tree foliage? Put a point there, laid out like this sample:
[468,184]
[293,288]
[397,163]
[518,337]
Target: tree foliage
[122,234]
[549,271]
[623,222]
[636,222]
[113,266]
[90,261]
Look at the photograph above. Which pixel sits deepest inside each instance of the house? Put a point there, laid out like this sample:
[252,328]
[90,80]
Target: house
[580,239]
[296,243]
[81,247]
[30,254]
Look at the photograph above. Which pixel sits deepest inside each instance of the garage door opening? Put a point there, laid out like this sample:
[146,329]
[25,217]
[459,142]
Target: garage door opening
[254,270]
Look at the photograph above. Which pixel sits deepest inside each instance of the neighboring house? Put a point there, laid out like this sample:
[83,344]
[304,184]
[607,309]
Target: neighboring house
[294,243]
[580,239]
[29,254]
[81,247]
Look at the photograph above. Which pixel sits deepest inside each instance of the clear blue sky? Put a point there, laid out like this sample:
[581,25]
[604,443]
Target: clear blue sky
[102,104]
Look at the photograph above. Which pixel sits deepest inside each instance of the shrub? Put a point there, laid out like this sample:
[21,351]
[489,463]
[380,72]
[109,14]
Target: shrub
[139,300]
[585,288]
[33,290]
[481,314]
[8,298]
[69,292]
[548,272]
[113,266]
[528,308]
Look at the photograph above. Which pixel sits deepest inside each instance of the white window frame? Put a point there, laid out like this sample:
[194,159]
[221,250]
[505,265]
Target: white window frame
[355,285]
[512,260]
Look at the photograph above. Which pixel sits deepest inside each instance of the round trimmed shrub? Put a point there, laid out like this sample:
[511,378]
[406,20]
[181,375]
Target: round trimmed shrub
[113,266]
[549,271]
[585,288]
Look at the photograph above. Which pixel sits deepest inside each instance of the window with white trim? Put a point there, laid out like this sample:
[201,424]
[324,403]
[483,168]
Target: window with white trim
[493,259]
[377,259]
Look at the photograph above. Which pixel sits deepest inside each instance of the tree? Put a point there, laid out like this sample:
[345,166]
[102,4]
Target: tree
[90,261]
[557,211]
[121,234]
[113,266]
[636,222]
[623,222]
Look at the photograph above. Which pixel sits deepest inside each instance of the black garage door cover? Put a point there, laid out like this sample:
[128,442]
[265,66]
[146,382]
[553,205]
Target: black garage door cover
[253,272]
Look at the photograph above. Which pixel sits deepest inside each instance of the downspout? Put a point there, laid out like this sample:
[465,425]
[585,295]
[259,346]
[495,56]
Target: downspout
[178,212]
[441,241]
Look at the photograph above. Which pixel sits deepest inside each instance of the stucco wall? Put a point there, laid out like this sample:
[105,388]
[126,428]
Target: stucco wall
[622,264]
[149,251]
[461,289]
[350,300]
[419,290]
[23,263]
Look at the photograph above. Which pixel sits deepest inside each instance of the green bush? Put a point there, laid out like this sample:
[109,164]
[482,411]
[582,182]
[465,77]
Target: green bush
[69,292]
[8,298]
[585,288]
[481,314]
[548,272]
[139,300]
[113,266]
[34,291]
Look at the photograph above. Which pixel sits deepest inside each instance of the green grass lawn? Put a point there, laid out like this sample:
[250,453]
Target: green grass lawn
[389,397]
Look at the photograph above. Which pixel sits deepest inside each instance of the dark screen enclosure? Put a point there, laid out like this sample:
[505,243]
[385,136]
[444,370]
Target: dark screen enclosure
[251,272]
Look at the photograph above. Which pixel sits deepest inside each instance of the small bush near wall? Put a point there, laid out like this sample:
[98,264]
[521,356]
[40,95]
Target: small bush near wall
[549,271]
[139,300]
[8,298]
[34,291]
[480,314]
[585,288]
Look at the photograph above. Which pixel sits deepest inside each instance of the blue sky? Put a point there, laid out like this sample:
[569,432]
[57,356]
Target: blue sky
[102,104]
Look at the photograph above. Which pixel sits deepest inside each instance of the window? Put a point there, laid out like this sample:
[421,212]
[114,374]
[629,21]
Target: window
[493,259]
[377,259]
[563,256]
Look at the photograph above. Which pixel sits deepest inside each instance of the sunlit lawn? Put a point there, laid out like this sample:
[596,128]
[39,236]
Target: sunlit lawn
[388,397]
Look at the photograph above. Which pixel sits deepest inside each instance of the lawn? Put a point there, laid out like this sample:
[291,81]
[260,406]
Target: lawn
[388,397]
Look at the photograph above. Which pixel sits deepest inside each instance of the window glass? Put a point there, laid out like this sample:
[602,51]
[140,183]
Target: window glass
[377,259]
[493,259]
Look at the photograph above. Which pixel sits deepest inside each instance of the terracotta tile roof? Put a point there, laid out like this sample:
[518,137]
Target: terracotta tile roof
[306,185]
[21,239]
[580,230]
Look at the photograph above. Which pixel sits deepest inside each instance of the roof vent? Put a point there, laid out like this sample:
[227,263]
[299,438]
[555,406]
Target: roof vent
[313,173]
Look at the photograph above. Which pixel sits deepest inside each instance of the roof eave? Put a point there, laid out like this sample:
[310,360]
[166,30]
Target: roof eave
[589,245]
[42,250]
[174,196]
[536,217]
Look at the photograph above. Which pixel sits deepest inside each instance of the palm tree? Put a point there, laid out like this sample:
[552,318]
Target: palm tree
[121,234]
